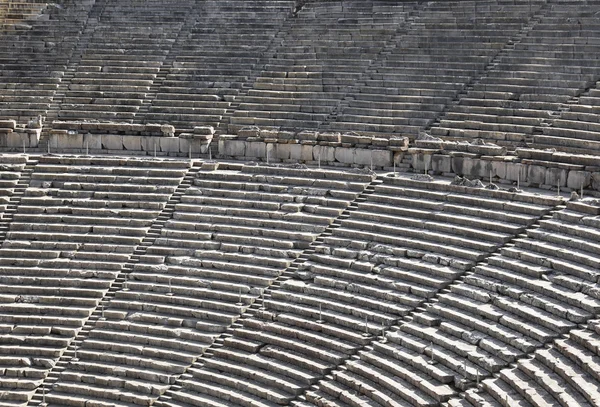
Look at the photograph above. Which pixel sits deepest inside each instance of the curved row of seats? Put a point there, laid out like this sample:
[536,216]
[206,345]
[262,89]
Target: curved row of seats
[234,231]
[214,58]
[402,246]
[444,47]
[34,56]
[519,100]
[77,224]
[577,128]
[11,168]
[494,70]
[517,308]
[13,12]
[565,373]
[321,54]
[120,59]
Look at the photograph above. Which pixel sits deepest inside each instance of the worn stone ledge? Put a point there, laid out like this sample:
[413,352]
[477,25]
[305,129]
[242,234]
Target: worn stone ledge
[72,142]
[308,152]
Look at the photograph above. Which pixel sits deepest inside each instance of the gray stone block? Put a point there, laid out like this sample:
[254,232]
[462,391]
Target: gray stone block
[92,141]
[323,153]
[441,163]
[232,148]
[169,144]
[112,142]
[281,151]
[301,152]
[133,143]
[344,155]
[256,149]
[578,179]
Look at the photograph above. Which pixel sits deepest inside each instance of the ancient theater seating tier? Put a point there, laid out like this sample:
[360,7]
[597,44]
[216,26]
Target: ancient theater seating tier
[232,234]
[319,56]
[524,95]
[428,64]
[77,224]
[383,262]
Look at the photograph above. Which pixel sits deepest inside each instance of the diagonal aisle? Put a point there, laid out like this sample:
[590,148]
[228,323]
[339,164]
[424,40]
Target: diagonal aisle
[365,274]
[231,235]
[79,220]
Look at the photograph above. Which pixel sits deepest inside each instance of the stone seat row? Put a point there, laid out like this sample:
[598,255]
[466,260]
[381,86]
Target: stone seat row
[58,275]
[560,74]
[203,288]
[300,305]
[557,309]
[571,362]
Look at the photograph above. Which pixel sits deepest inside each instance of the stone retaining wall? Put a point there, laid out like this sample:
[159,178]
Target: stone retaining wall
[545,169]
[313,148]
[18,137]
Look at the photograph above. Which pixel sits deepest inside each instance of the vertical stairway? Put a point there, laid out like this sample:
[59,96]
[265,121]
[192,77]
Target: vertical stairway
[15,199]
[119,283]
[287,274]
[84,38]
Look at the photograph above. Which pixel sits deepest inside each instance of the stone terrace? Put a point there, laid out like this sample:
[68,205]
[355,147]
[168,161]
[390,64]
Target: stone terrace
[78,221]
[321,53]
[380,264]
[531,82]
[498,70]
[34,56]
[216,57]
[131,281]
[431,60]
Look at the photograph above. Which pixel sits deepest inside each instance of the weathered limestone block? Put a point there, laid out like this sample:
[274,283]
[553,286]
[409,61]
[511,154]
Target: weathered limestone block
[281,151]
[441,163]
[167,130]
[330,137]
[344,155]
[8,124]
[375,157]
[307,135]
[184,145]
[509,171]
[324,153]
[250,131]
[579,179]
[380,142]
[68,140]
[204,130]
[93,127]
[133,143]
[554,176]
[351,138]
[529,153]
[469,167]
[152,129]
[301,152]
[256,149]
[229,146]
[35,123]
[169,144]
[536,174]
[486,149]
[138,129]
[112,142]
[92,141]
[269,134]
[579,159]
